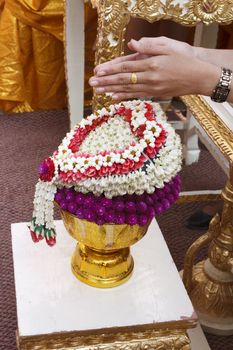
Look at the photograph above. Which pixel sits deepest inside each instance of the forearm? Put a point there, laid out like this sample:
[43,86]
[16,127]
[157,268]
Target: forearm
[221,58]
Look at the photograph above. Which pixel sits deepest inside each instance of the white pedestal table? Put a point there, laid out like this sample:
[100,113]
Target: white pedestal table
[56,311]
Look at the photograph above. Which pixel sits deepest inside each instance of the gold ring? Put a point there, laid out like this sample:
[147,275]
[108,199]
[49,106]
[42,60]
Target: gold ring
[134,78]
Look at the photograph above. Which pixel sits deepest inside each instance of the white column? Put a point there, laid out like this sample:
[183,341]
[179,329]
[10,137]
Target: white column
[191,148]
[74,56]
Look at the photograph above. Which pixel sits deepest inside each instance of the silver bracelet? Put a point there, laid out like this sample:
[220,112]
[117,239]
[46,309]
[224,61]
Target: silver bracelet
[223,87]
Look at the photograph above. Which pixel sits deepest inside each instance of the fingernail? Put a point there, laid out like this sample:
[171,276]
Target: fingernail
[100,89]
[115,97]
[93,82]
[101,73]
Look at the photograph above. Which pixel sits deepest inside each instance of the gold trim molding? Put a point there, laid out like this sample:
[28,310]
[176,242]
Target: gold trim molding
[161,336]
[186,13]
[215,128]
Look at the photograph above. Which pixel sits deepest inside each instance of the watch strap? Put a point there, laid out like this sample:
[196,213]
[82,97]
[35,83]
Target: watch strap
[223,87]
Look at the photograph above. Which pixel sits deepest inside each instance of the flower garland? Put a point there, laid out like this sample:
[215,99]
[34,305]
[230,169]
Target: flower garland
[122,156]
[154,173]
[137,126]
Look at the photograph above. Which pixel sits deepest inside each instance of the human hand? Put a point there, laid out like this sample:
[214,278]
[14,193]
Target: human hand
[164,68]
[149,44]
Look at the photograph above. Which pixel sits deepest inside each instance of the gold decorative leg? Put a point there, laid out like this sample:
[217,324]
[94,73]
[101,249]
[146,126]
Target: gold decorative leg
[113,16]
[210,282]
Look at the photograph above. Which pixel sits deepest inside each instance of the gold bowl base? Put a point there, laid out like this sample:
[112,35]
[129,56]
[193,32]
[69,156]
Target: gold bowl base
[102,257]
[102,269]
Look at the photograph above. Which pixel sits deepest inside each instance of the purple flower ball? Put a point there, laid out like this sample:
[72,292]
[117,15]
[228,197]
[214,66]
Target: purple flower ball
[150,213]
[90,216]
[88,201]
[154,197]
[160,193]
[165,203]
[171,198]
[63,205]
[130,207]
[100,211]
[142,220]
[119,205]
[109,216]
[100,221]
[106,202]
[68,190]
[158,208]
[79,198]
[80,213]
[132,219]
[149,200]
[72,207]
[120,219]
[167,189]
[142,207]
[59,197]
[70,197]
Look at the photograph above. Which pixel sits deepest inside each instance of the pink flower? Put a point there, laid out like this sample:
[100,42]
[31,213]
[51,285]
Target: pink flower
[150,151]
[103,171]
[47,170]
[91,171]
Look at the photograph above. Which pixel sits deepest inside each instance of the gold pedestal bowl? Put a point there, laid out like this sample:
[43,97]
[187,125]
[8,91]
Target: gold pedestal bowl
[102,256]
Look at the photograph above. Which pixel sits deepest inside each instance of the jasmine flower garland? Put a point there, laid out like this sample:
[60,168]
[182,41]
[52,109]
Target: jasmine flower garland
[126,150]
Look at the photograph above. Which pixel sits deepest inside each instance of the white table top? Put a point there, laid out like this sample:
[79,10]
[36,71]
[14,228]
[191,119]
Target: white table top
[50,299]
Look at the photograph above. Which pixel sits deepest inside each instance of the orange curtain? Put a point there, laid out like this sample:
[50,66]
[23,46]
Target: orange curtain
[32,54]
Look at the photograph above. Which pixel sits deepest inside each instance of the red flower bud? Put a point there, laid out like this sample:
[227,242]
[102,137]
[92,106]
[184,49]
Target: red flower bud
[34,237]
[51,241]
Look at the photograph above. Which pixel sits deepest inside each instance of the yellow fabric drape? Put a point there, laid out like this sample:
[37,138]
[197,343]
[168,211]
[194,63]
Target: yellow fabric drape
[32,54]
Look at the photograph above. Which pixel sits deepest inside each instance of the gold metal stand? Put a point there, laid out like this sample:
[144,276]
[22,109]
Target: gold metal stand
[102,256]
[210,282]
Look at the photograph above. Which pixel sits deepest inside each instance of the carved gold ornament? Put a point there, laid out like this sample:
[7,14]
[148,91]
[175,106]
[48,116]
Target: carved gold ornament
[209,11]
[171,336]
[215,128]
[211,297]
[210,282]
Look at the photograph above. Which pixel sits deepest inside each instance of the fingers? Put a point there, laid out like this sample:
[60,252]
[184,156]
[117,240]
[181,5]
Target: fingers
[126,96]
[150,46]
[117,79]
[121,88]
[106,65]
[123,67]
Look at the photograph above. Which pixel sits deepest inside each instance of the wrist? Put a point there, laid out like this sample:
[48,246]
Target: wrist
[208,78]
[201,53]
